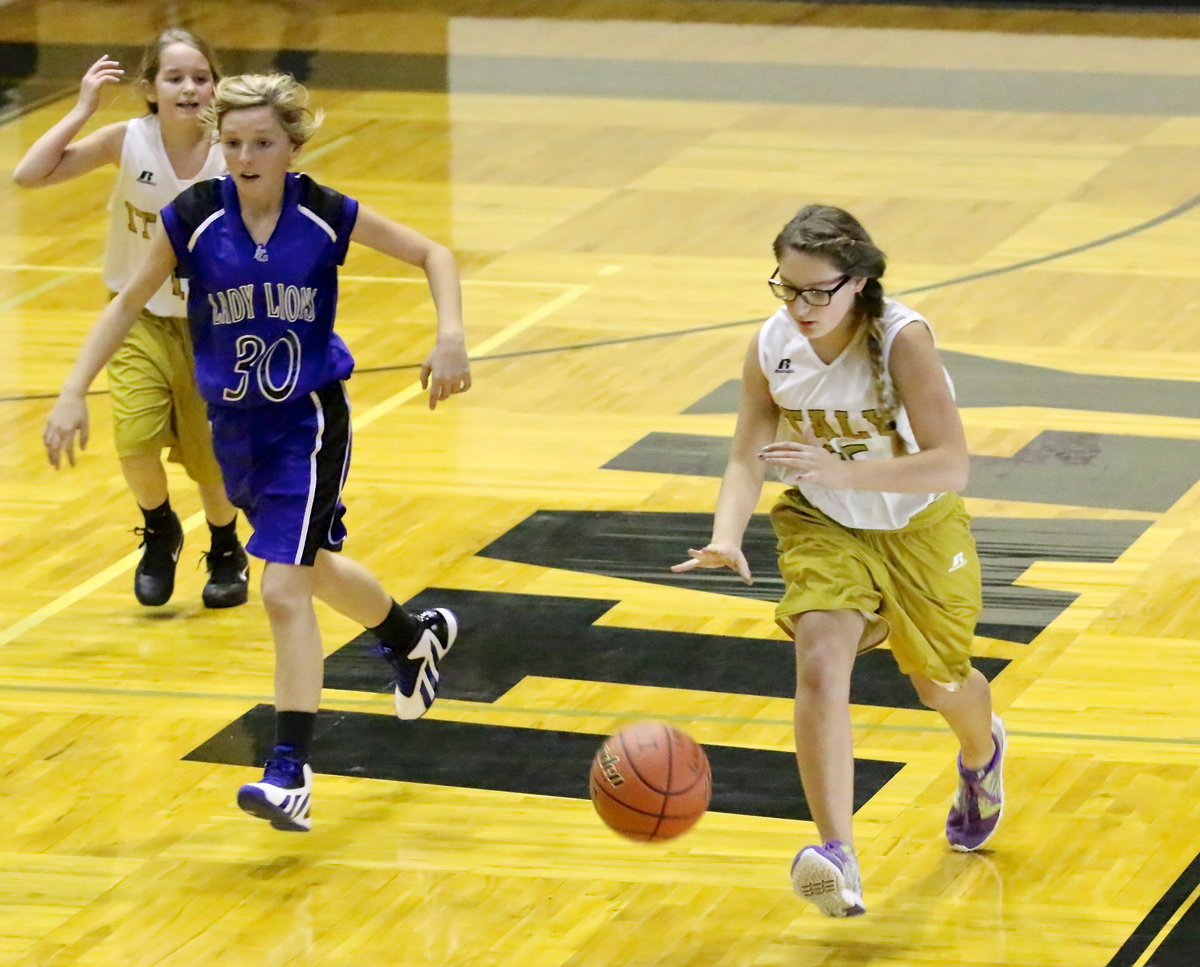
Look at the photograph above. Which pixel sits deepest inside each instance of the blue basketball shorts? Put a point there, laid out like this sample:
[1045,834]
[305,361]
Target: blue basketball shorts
[284,467]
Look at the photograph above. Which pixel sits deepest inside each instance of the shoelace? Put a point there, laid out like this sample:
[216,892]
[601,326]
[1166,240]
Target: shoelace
[973,792]
[145,533]
[286,773]
[210,558]
[979,792]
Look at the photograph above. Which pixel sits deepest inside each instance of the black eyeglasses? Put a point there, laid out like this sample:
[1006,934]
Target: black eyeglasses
[814,297]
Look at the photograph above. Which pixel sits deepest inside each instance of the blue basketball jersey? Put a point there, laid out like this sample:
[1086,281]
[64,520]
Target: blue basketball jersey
[262,315]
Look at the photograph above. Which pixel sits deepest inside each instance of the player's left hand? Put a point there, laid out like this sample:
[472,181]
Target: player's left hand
[68,417]
[812,463]
[446,371]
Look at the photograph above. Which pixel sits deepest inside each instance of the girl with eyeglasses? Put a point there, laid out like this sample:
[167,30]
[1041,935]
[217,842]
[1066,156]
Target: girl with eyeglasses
[845,399]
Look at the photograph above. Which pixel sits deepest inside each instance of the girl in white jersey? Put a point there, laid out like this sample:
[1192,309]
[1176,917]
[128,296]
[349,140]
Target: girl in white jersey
[155,404]
[844,398]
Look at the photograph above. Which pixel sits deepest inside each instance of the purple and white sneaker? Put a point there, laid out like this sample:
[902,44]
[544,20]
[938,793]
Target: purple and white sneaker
[282,796]
[979,802]
[827,877]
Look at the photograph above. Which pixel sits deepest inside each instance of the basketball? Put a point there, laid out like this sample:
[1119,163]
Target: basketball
[650,782]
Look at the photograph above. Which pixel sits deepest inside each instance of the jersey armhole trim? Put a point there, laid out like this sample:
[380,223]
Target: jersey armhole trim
[889,338]
[202,226]
[320,222]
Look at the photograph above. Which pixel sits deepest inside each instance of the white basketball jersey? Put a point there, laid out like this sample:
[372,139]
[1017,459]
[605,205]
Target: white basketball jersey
[146,182]
[841,404]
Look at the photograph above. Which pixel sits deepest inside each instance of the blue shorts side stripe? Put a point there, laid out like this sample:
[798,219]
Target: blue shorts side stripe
[319,413]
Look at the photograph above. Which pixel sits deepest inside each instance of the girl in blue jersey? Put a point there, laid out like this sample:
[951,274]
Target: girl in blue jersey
[844,397]
[260,249]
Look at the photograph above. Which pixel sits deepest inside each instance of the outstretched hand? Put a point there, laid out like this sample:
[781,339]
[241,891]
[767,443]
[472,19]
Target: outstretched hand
[717,555]
[68,417]
[446,371]
[104,71]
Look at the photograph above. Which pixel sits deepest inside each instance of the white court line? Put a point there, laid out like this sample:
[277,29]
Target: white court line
[21,297]
[485,347]
[327,147]
[129,561]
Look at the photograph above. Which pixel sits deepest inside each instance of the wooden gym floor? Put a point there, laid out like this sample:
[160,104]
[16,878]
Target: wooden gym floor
[611,175]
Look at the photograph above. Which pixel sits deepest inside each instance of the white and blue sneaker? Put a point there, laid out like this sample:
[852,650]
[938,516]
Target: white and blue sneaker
[282,796]
[417,670]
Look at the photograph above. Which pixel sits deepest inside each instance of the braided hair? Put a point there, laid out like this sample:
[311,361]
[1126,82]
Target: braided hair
[836,236]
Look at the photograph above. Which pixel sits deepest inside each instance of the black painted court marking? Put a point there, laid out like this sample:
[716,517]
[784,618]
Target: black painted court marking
[505,758]
[641,546]
[533,635]
[508,637]
[501,758]
[1180,945]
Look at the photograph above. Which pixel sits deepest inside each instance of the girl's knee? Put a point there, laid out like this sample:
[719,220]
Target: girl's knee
[824,660]
[282,597]
[931,694]
[818,678]
[279,602]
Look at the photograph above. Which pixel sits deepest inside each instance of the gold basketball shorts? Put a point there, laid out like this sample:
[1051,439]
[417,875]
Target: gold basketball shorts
[155,403]
[917,587]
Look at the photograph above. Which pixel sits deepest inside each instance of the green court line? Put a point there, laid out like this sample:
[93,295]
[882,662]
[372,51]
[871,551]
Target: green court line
[455,705]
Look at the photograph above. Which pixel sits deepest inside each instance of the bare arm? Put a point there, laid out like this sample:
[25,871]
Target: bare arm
[943,461]
[447,364]
[741,485]
[69,414]
[53,157]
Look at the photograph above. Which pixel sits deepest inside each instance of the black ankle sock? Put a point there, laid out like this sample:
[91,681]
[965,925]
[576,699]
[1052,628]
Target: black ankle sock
[397,629]
[295,730]
[224,538]
[159,517]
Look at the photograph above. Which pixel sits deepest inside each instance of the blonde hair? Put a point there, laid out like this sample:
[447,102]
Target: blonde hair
[836,236]
[283,94]
[152,57]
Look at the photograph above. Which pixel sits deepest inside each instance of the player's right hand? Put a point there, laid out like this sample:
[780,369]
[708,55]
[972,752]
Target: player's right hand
[68,417]
[717,555]
[104,71]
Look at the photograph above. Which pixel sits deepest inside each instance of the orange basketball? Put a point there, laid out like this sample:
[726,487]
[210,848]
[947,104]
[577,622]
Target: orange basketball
[650,781]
